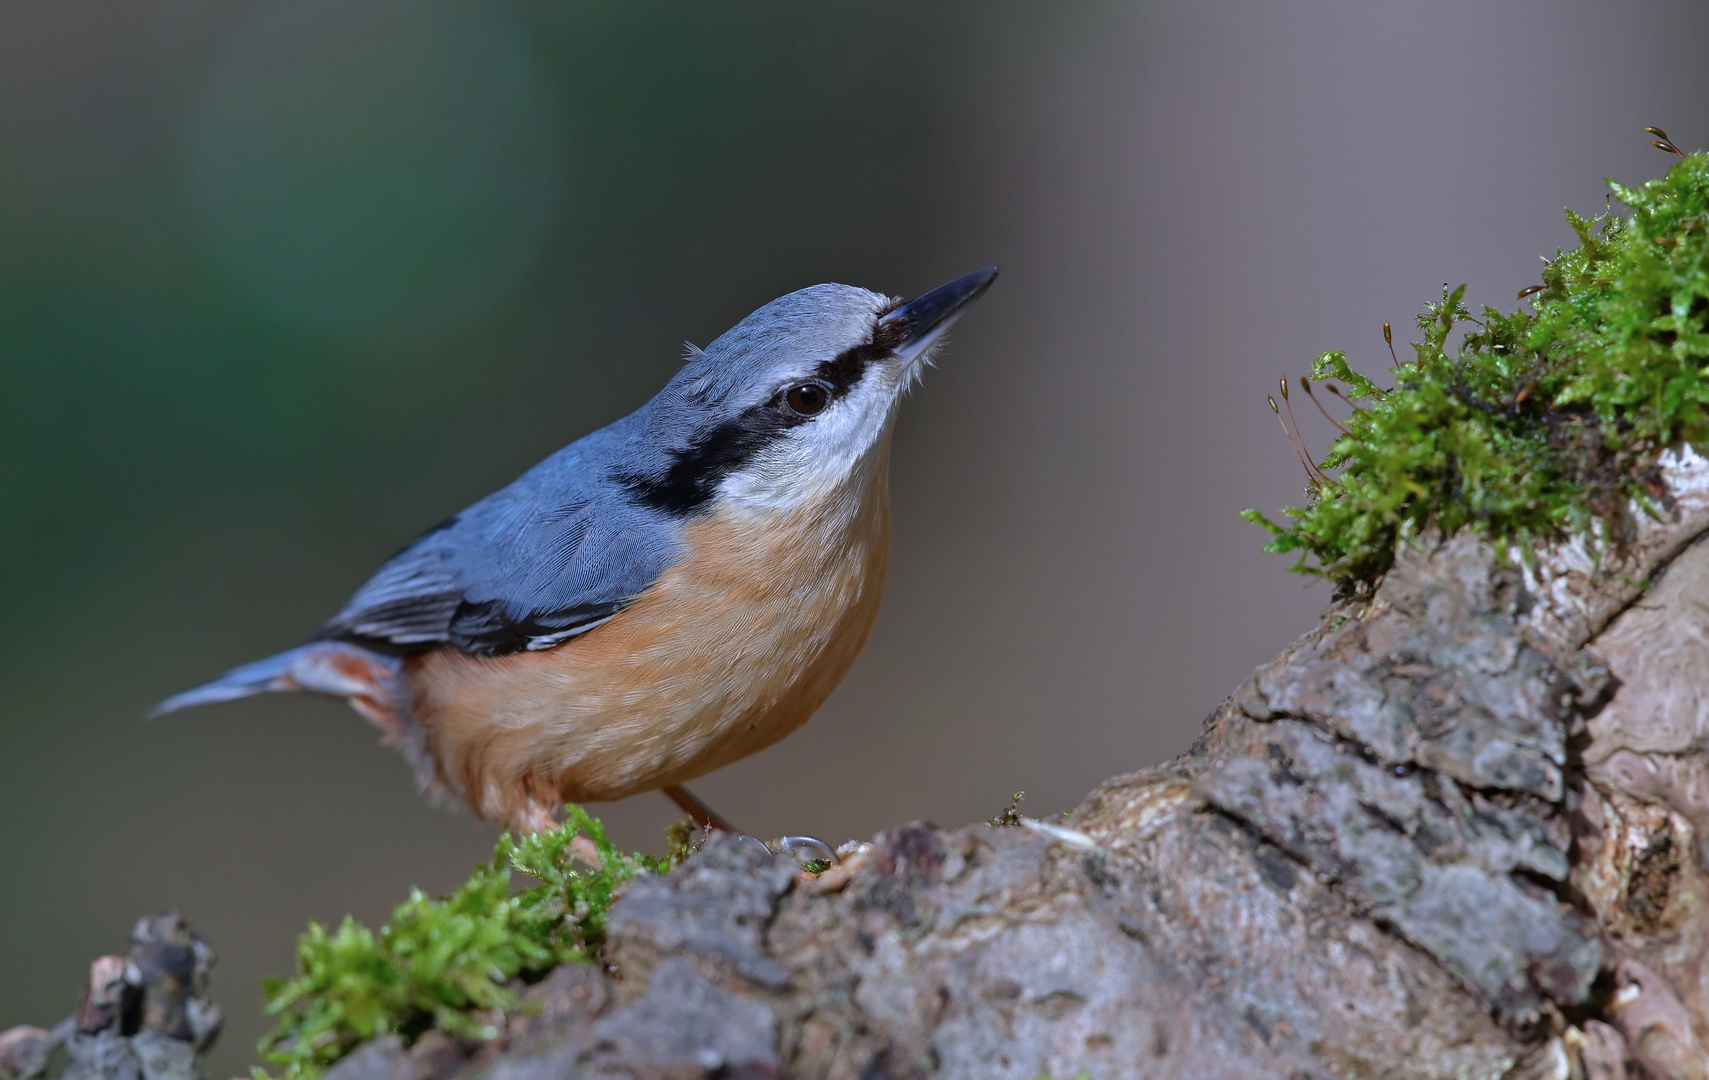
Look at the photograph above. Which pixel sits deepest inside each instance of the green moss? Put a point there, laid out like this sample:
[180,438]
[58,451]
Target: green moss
[447,963]
[1011,815]
[1539,422]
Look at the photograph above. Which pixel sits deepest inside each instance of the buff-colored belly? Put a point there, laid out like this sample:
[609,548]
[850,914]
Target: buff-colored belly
[729,651]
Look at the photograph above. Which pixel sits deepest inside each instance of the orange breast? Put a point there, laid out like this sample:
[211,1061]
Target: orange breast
[729,651]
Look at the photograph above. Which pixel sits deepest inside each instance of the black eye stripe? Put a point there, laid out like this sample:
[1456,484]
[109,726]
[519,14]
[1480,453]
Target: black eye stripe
[686,486]
[845,369]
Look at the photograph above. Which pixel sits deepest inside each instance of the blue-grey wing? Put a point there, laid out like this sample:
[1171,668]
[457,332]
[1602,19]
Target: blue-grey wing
[553,555]
[411,601]
[491,588]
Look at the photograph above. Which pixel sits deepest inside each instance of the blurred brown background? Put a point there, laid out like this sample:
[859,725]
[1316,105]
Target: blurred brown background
[283,283]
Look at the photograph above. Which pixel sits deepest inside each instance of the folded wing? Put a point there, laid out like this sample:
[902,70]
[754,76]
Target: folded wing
[527,568]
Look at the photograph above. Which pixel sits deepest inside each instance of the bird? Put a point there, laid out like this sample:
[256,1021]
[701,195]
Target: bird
[669,594]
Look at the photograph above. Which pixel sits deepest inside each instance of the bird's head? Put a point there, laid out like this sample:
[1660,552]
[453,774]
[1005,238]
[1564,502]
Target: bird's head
[791,401]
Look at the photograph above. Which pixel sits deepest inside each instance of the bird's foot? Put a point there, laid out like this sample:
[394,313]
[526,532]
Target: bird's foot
[814,855]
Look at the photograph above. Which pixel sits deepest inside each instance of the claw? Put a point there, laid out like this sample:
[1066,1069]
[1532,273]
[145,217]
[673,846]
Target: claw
[754,840]
[818,849]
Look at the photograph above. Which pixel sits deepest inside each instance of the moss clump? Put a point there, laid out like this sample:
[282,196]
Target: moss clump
[1538,422]
[443,963]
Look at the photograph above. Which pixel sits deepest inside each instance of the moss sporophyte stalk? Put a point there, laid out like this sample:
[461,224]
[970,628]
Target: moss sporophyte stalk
[1538,423]
[448,963]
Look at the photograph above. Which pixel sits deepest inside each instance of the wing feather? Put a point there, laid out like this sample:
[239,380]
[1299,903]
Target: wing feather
[552,556]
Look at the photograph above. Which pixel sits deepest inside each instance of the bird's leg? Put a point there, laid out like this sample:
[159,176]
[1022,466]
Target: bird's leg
[533,815]
[804,849]
[538,815]
[703,816]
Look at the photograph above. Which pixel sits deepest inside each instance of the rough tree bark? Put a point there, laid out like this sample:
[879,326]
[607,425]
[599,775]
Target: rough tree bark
[1459,829]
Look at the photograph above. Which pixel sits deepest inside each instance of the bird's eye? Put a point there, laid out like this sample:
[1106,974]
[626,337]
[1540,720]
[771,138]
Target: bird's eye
[808,399]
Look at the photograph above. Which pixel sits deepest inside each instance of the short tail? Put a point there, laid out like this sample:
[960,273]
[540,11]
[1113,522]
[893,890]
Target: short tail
[329,668]
[372,683]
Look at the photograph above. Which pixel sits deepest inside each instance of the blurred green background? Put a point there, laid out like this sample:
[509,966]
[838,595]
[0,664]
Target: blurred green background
[283,283]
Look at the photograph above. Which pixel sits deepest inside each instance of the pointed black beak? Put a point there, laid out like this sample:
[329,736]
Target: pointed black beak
[913,328]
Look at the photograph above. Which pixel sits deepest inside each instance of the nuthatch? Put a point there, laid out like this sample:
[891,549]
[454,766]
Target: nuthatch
[658,599]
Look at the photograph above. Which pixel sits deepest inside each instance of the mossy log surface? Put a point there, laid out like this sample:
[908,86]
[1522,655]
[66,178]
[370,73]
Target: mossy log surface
[1458,829]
